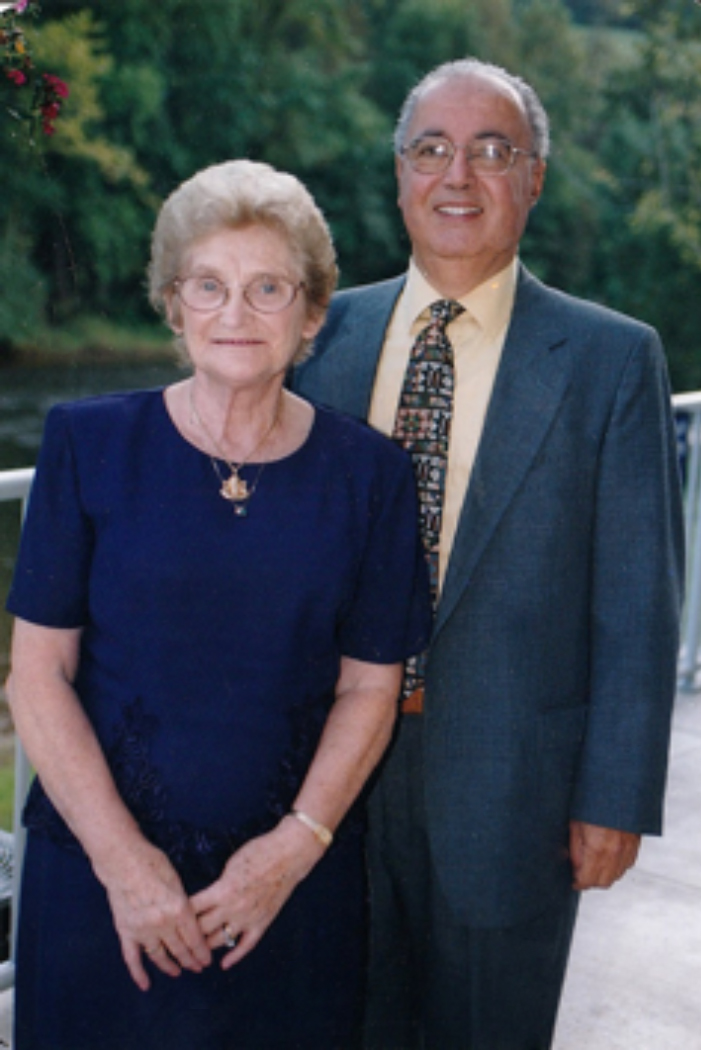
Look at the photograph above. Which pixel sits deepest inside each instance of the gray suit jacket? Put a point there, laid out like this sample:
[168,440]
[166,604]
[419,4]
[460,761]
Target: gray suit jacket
[552,667]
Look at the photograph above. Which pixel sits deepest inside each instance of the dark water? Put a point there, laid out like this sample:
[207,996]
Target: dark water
[26,394]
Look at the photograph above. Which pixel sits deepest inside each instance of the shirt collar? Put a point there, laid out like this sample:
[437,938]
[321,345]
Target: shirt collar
[490,304]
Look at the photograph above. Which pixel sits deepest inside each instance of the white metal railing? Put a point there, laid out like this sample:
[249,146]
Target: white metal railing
[15,484]
[688,416]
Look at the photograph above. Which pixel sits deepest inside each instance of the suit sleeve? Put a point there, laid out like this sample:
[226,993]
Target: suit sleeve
[637,574]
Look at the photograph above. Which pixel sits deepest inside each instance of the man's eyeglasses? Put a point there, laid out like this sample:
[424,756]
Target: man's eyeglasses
[433,154]
[266,293]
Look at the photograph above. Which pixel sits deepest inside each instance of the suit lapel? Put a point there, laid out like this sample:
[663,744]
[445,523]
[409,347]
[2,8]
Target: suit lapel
[352,351]
[531,381]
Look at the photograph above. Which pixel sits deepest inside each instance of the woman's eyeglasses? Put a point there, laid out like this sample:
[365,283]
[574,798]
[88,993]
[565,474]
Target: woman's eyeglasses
[266,293]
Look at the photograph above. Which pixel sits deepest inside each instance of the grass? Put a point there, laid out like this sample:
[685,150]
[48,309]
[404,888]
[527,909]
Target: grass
[7,792]
[97,338]
[7,757]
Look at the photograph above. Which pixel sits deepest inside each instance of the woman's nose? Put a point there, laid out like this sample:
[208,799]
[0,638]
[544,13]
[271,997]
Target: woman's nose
[236,307]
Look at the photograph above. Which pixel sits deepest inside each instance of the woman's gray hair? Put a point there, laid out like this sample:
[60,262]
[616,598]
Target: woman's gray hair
[467,67]
[233,195]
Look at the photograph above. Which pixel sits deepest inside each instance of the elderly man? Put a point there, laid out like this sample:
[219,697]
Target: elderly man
[532,748]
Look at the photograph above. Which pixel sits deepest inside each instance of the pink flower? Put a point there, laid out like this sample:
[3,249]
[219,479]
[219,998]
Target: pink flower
[21,6]
[16,76]
[58,86]
[51,110]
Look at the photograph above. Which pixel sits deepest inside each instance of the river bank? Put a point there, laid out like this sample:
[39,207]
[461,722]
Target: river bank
[88,340]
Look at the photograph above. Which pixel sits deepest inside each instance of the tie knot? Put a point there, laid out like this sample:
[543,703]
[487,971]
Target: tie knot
[443,311]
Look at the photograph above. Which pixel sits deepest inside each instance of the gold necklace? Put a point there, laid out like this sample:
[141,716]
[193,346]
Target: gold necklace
[234,488]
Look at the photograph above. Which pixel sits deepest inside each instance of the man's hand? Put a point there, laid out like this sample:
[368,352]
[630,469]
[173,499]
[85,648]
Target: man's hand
[600,856]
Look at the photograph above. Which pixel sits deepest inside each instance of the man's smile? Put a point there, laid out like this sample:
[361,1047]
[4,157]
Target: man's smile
[458,209]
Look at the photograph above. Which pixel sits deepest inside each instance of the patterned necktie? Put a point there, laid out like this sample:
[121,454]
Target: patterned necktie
[422,427]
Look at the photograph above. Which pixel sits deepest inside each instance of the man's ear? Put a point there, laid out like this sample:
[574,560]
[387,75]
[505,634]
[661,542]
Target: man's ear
[398,176]
[537,180]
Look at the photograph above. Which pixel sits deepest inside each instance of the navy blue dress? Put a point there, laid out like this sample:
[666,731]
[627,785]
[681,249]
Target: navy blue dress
[210,650]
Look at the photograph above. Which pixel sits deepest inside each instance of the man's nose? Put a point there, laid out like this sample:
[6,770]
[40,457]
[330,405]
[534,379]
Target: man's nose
[460,171]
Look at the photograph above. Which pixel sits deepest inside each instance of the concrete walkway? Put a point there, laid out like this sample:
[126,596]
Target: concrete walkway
[634,981]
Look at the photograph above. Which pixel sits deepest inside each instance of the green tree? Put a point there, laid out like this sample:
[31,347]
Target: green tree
[599,12]
[314,86]
[649,262]
[60,252]
[189,85]
[278,81]
[554,60]
[91,235]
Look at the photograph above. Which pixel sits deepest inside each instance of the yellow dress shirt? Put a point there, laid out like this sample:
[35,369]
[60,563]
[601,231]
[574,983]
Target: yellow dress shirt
[477,337]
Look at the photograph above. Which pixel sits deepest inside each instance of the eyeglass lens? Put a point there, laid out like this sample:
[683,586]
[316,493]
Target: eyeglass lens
[266,293]
[433,154]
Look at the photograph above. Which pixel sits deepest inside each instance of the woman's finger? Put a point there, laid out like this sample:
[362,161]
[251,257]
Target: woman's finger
[164,961]
[193,957]
[229,938]
[190,945]
[131,954]
[213,923]
[245,943]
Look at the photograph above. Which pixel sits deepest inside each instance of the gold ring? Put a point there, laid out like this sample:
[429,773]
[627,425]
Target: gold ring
[154,951]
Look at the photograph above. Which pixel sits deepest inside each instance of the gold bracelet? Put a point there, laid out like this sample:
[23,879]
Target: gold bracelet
[323,834]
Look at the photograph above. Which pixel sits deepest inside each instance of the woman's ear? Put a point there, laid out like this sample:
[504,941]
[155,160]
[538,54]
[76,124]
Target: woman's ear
[314,322]
[173,312]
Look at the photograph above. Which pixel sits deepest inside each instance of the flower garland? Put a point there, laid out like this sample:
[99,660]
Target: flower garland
[35,96]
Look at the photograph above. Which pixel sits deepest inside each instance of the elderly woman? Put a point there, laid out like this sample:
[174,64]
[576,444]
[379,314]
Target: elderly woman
[216,587]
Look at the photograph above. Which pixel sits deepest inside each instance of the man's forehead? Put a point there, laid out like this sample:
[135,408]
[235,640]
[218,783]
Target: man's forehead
[465,96]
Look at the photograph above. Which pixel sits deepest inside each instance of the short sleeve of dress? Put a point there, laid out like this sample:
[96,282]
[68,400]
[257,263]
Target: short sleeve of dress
[50,583]
[390,616]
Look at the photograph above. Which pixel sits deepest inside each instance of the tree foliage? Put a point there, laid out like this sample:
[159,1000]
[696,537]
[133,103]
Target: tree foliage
[649,256]
[314,86]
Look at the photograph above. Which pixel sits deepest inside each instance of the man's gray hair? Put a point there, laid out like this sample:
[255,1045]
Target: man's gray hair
[467,67]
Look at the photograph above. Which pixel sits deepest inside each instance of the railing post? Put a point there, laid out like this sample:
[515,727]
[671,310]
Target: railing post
[691,623]
[15,485]
[691,634]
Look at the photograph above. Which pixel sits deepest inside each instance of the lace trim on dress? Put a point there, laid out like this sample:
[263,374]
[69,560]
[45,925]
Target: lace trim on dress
[197,853]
